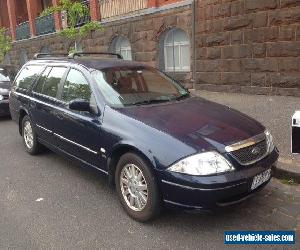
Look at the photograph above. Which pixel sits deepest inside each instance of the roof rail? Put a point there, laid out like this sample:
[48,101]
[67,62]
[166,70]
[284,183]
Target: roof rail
[49,55]
[73,55]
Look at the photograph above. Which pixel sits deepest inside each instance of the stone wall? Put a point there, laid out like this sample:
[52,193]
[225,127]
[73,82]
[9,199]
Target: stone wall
[248,45]
[143,32]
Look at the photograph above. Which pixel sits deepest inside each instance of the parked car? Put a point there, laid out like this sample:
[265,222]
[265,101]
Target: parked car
[159,145]
[7,75]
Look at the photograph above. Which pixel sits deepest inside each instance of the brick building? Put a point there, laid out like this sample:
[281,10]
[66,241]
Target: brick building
[251,46]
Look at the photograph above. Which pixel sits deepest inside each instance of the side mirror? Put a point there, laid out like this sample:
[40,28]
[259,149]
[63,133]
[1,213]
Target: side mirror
[80,105]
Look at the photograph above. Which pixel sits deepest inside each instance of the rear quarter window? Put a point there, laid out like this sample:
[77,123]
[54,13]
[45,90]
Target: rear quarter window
[27,76]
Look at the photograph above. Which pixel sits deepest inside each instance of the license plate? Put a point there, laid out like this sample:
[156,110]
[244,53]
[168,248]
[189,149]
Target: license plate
[260,179]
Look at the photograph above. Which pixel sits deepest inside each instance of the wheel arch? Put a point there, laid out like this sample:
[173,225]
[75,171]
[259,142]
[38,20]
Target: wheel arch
[22,113]
[117,153]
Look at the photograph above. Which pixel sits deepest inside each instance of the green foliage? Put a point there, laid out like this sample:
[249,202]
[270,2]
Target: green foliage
[72,50]
[73,10]
[289,181]
[88,27]
[5,44]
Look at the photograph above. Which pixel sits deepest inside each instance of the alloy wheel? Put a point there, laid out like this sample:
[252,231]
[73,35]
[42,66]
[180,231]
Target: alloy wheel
[134,187]
[28,134]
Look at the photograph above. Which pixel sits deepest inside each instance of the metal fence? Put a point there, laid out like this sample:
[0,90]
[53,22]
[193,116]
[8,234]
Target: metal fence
[23,31]
[45,25]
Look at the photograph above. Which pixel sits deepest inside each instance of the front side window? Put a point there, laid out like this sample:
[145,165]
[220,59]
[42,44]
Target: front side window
[50,86]
[134,86]
[76,87]
[121,45]
[176,51]
[28,75]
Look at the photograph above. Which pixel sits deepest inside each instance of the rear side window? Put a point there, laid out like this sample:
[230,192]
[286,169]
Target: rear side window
[40,83]
[28,75]
[50,80]
[76,87]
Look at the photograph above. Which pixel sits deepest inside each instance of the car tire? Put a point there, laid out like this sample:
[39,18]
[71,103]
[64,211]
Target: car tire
[132,187]
[32,146]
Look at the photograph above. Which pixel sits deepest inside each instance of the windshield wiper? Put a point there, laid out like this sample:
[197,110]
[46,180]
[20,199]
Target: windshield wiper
[182,96]
[151,101]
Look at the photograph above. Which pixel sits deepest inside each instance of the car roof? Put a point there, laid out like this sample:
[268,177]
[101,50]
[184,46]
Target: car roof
[92,63]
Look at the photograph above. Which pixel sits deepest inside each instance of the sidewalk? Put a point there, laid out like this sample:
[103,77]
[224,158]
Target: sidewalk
[275,113]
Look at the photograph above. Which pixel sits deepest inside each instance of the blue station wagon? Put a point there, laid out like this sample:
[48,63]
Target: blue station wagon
[158,145]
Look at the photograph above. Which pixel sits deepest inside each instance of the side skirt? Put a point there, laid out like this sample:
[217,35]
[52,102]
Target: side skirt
[70,156]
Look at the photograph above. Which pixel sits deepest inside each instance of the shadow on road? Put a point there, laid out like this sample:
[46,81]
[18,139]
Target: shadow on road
[5,118]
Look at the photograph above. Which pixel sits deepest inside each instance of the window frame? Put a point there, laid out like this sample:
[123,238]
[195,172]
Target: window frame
[174,45]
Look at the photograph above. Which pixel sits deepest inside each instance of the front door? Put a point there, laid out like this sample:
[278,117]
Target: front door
[79,133]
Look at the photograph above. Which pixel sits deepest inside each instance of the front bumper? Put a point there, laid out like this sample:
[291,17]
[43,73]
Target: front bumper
[209,192]
[4,108]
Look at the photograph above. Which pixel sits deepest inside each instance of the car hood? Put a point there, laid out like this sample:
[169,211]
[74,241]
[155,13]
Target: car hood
[197,122]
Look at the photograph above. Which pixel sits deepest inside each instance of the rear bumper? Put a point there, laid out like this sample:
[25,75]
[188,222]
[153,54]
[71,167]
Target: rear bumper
[4,108]
[210,192]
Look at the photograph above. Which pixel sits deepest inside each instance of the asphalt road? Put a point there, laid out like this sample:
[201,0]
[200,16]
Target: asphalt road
[48,202]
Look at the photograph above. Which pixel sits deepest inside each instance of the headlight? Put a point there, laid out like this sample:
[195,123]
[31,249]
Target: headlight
[1,97]
[207,163]
[270,142]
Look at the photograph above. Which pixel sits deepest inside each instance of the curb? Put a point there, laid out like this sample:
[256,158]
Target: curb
[281,173]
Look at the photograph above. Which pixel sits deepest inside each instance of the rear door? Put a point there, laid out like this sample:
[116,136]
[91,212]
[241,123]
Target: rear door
[79,132]
[45,102]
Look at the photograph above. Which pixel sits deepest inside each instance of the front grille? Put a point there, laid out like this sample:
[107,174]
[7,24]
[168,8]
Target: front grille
[251,154]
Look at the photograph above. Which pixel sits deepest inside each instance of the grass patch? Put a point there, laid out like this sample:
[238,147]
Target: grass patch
[291,182]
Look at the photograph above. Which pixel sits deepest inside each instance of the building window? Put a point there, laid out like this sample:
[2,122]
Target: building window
[176,51]
[23,57]
[45,50]
[121,45]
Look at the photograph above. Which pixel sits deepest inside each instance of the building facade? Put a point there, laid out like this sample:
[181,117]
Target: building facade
[250,46]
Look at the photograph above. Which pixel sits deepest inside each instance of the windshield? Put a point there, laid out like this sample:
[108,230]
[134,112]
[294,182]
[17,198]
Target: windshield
[133,86]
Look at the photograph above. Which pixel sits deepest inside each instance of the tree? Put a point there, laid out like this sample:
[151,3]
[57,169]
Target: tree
[5,43]
[74,10]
